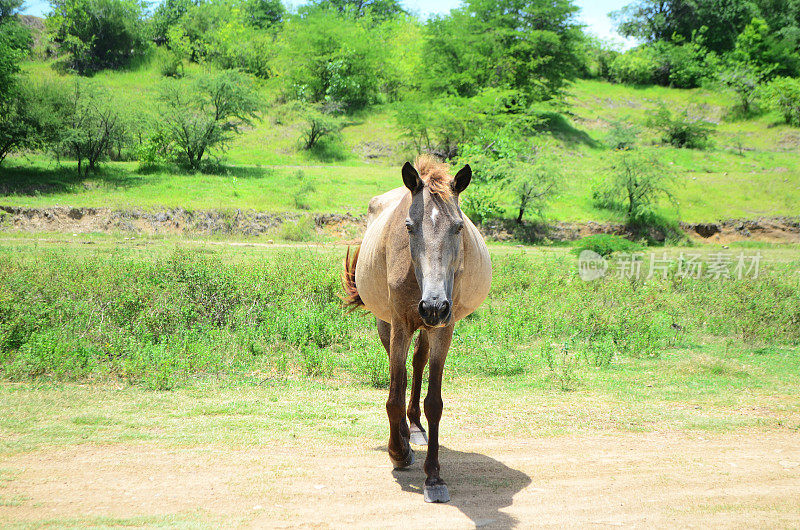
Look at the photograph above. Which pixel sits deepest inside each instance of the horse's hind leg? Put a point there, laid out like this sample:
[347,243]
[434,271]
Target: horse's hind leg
[384,332]
[421,348]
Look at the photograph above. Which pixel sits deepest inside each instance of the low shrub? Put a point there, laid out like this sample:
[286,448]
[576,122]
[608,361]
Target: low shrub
[156,320]
[783,95]
[606,244]
[682,129]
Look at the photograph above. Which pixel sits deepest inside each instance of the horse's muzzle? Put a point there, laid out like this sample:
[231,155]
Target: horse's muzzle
[435,312]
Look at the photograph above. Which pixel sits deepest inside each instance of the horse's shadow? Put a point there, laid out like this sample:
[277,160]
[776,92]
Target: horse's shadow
[479,486]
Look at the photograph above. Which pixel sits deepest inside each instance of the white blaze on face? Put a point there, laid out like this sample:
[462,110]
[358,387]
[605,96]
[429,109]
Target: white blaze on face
[434,215]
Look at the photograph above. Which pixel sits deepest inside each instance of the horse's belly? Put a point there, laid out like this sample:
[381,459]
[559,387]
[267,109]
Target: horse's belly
[473,286]
[371,274]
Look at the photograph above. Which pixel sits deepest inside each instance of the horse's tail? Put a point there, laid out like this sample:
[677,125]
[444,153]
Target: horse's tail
[351,299]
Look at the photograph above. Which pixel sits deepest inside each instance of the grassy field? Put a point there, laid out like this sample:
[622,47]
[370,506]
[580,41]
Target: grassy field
[751,170]
[165,311]
[557,392]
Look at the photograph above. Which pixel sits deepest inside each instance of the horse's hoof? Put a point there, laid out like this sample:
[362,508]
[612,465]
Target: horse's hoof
[404,463]
[419,437]
[436,493]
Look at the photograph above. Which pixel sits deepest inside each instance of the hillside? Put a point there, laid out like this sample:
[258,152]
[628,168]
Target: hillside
[751,170]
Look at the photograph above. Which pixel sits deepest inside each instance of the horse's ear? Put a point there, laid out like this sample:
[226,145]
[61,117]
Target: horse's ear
[462,178]
[411,178]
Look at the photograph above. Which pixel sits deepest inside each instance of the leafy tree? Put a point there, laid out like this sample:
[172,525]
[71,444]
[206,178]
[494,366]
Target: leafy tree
[14,124]
[743,80]
[15,38]
[9,9]
[531,46]
[166,16]
[783,95]
[783,16]
[766,55]
[325,57]
[523,167]
[98,34]
[263,14]
[442,125]
[91,125]
[206,115]
[10,57]
[636,181]
[378,10]
[236,45]
[662,20]
[319,123]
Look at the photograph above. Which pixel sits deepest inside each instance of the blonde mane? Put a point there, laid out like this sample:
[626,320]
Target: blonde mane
[435,174]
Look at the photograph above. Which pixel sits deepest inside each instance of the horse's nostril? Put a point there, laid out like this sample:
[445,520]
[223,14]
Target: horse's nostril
[445,306]
[423,309]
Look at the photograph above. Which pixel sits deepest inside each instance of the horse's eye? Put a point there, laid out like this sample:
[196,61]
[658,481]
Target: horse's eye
[459,227]
[409,226]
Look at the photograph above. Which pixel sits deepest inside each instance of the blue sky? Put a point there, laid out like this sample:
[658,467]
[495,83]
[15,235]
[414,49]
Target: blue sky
[594,13]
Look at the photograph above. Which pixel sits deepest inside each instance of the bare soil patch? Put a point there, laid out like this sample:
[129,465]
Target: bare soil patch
[749,479]
[345,226]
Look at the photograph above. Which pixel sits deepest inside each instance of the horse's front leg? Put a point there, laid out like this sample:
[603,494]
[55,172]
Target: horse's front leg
[399,449]
[439,339]
[420,359]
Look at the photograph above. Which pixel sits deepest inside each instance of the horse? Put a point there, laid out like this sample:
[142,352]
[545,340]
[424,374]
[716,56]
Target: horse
[422,265]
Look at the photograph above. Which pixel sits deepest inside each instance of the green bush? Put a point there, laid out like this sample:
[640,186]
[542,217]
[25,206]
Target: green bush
[205,116]
[159,318]
[606,244]
[98,34]
[481,203]
[681,129]
[300,230]
[327,57]
[634,183]
[684,65]
[783,95]
[638,66]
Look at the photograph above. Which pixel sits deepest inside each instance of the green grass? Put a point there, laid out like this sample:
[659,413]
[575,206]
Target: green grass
[158,313]
[120,186]
[752,169]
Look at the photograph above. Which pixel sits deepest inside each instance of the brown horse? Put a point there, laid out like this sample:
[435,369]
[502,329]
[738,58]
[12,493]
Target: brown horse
[422,265]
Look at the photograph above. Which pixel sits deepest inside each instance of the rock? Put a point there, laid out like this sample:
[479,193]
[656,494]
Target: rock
[706,230]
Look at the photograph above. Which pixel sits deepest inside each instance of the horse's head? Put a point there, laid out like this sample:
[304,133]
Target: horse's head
[434,226]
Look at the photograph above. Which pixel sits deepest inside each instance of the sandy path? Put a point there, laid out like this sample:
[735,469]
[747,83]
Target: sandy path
[642,480]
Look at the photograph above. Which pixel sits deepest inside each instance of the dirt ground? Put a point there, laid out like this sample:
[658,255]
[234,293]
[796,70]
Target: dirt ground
[747,479]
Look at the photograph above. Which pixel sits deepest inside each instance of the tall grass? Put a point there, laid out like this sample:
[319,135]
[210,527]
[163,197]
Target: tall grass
[157,320]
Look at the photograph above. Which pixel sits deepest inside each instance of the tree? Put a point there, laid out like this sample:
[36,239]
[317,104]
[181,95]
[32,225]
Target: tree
[783,95]
[636,181]
[378,10]
[534,47]
[766,55]
[522,166]
[91,126]
[263,14]
[15,38]
[166,16]
[325,57]
[320,123]
[206,115]
[98,34]
[743,80]
[10,57]
[682,129]
[662,20]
